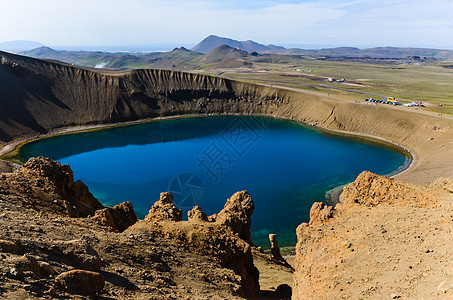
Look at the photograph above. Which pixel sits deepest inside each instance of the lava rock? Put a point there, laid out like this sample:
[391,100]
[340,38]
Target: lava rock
[118,218]
[80,282]
[164,210]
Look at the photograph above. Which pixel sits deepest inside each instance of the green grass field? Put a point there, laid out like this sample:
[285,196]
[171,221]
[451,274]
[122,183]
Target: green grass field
[431,82]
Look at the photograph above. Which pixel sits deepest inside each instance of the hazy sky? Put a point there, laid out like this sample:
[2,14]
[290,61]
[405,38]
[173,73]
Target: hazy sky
[360,23]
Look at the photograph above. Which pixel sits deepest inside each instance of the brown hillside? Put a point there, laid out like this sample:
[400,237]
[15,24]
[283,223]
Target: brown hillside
[38,96]
[221,53]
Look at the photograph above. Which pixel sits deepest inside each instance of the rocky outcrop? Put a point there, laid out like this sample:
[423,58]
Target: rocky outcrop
[164,210]
[236,215]
[118,218]
[320,212]
[59,179]
[371,189]
[80,282]
[275,249]
[48,184]
[224,236]
[375,243]
[197,214]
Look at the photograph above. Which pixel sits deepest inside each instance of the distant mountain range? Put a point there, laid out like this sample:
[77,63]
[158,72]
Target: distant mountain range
[213,41]
[218,52]
[178,58]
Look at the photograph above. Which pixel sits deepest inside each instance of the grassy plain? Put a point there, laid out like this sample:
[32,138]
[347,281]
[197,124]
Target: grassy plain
[428,82]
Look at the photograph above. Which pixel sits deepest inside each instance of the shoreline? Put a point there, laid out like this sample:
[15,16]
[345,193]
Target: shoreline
[13,146]
[16,145]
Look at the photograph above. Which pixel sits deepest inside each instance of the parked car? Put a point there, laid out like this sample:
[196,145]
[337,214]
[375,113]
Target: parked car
[415,103]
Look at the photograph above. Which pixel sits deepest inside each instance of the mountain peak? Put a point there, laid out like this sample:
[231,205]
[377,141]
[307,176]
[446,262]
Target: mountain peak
[181,49]
[212,41]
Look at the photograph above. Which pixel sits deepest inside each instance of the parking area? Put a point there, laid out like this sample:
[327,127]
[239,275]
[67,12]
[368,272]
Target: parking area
[394,102]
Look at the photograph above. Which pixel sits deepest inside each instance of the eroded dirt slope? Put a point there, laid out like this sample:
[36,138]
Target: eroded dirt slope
[38,96]
[388,240]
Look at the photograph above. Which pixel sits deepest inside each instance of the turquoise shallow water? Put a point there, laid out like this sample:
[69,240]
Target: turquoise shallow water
[202,161]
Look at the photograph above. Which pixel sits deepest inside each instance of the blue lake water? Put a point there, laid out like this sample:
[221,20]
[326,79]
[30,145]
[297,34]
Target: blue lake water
[202,161]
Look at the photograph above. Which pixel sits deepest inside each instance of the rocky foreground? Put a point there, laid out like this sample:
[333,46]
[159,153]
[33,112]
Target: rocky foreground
[57,240]
[386,240]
